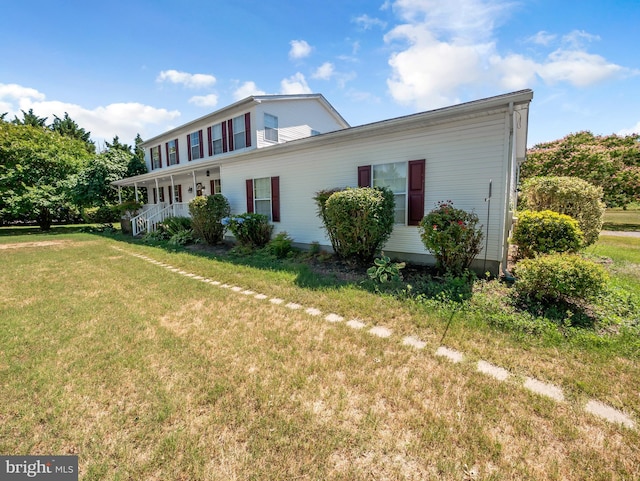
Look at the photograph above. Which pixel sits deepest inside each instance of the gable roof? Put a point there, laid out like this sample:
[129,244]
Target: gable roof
[247,102]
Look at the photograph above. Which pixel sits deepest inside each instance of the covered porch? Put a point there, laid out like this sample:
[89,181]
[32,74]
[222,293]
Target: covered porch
[168,193]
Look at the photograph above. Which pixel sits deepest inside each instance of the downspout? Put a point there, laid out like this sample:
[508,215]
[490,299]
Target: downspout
[508,220]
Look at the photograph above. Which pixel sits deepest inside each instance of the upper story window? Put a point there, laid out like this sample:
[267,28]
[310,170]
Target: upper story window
[239,135]
[156,158]
[394,177]
[216,139]
[270,127]
[194,141]
[173,157]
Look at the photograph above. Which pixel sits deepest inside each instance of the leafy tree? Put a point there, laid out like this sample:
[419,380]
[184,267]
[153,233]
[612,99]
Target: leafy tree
[92,186]
[611,162]
[35,167]
[137,165]
[68,127]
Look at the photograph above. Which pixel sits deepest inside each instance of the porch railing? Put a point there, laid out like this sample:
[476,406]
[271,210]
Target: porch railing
[149,219]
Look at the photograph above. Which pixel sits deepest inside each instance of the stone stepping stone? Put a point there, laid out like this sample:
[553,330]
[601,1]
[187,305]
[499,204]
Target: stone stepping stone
[275,300]
[293,306]
[451,354]
[355,324]
[494,371]
[609,413]
[380,331]
[260,296]
[414,342]
[313,311]
[333,318]
[545,389]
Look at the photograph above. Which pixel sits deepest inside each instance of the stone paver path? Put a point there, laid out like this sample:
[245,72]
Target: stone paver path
[498,373]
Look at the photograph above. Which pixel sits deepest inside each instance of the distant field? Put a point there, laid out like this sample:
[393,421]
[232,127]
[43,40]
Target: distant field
[624,220]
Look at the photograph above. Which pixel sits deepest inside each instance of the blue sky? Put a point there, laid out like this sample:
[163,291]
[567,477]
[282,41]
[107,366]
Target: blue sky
[127,67]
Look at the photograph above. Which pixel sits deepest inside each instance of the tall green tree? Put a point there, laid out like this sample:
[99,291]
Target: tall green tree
[69,128]
[36,165]
[137,166]
[30,118]
[611,162]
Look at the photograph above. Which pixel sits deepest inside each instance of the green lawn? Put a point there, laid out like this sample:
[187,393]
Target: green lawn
[148,374]
[623,220]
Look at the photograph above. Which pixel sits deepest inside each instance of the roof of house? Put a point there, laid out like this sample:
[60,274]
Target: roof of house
[253,99]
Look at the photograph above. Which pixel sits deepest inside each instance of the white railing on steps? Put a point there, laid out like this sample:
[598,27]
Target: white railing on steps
[149,219]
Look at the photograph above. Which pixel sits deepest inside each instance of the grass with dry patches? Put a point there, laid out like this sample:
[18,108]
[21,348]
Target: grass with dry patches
[147,374]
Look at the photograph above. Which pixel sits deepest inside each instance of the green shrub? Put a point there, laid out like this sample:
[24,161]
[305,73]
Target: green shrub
[281,245]
[554,277]
[207,214]
[104,214]
[452,237]
[321,199]
[181,238]
[175,224]
[383,270]
[568,195]
[359,221]
[546,232]
[250,230]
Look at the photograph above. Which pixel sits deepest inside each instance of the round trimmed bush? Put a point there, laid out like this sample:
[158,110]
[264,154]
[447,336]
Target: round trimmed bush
[546,232]
[570,196]
[559,277]
[359,221]
[207,214]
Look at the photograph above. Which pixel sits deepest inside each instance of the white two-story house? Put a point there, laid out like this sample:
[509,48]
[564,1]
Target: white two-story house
[271,153]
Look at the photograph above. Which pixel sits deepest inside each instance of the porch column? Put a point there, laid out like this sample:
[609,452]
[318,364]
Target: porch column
[173,189]
[157,192]
[119,195]
[194,183]
[135,186]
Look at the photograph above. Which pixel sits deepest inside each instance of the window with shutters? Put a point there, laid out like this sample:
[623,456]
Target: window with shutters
[262,196]
[216,186]
[239,135]
[195,145]
[216,139]
[394,177]
[172,152]
[156,159]
[270,128]
[177,193]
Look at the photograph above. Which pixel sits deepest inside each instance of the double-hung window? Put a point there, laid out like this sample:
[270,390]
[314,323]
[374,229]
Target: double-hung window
[239,136]
[172,152]
[216,139]
[195,145]
[156,158]
[270,128]
[394,177]
[263,197]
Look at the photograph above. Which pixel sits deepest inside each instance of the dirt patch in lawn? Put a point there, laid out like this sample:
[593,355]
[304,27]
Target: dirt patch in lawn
[20,245]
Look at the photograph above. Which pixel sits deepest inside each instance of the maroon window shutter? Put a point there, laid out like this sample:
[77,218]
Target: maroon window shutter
[247,129]
[201,144]
[250,195]
[160,154]
[416,191]
[189,147]
[161,194]
[212,187]
[364,176]
[275,199]
[177,153]
[155,198]
[166,145]
[179,186]
[209,141]
[225,146]
[171,190]
[230,133]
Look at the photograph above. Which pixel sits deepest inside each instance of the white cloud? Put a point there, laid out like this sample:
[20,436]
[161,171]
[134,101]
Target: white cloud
[210,100]
[296,84]
[366,22]
[633,130]
[542,38]
[104,122]
[324,71]
[247,89]
[443,48]
[299,49]
[191,80]
[579,68]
